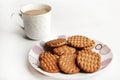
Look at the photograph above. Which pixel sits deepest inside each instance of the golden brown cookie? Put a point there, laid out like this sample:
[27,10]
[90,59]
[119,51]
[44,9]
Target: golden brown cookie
[91,45]
[64,50]
[48,62]
[88,61]
[56,42]
[78,41]
[67,64]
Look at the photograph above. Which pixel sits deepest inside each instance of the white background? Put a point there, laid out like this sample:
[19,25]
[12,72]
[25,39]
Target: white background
[98,19]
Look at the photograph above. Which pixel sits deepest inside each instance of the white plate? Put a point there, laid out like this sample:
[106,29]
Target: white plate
[102,49]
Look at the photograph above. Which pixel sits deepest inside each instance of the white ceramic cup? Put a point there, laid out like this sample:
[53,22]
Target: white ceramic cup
[36,27]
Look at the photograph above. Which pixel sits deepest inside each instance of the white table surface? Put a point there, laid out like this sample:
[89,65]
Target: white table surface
[98,19]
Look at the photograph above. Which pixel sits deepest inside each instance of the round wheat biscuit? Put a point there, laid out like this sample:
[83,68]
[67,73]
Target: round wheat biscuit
[67,64]
[88,61]
[48,62]
[56,42]
[64,50]
[78,41]
[91,45]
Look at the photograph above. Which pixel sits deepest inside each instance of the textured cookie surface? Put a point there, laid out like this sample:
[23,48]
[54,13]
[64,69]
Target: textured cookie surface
[91,45]
[64,50]
[78,41]
[56,42]
[88,61]
[48,62]
[67,64]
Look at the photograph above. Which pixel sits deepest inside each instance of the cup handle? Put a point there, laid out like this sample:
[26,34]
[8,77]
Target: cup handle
[20,16]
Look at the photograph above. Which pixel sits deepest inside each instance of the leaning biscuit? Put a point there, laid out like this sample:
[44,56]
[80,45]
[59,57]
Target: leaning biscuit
[88,61]
[56,42]
[64,50]
[67,64]
[48,62]
[78,41]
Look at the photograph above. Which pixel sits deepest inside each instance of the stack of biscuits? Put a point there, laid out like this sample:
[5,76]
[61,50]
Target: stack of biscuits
[70,56]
